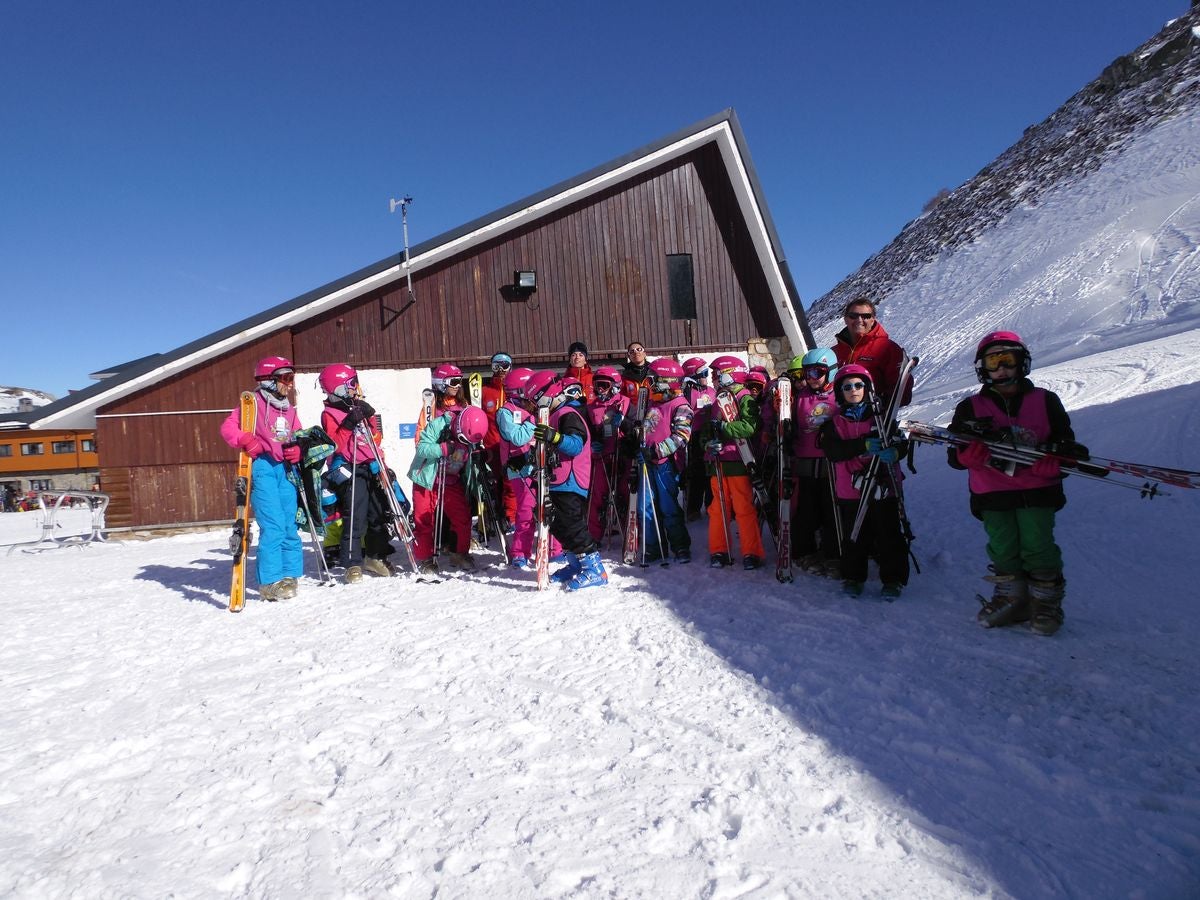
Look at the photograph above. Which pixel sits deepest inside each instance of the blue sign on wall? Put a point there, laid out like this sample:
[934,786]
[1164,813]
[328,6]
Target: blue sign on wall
[408,429]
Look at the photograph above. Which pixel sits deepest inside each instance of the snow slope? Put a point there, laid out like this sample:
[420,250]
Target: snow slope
[681,732]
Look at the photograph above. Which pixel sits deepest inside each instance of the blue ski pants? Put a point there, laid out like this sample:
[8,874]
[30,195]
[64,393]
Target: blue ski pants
[660,491]
[273,498]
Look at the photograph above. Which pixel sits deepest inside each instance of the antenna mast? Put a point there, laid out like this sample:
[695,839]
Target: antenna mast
[404,204]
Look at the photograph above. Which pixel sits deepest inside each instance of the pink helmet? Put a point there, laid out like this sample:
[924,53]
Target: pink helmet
[756,377]
[514,381]
[762,370]
[542,384]
[572,387]
[338,380]
[852,369]
[666,368]
[443,374]
[1001,340]
[609,373]
[730,370]
[470,425]
[272,364]
[694,365]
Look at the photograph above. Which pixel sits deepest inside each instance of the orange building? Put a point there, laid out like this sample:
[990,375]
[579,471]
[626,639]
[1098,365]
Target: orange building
[48,459]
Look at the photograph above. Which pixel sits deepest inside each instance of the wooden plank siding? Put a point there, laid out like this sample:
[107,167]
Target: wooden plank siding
[602,278]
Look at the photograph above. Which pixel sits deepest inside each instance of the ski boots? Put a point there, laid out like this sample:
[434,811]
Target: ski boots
[1009,603]
[567,572]
[353,574]
[591,573]
[891,591]
[464,561]
[376,567]
[852,588]
[1046,591]
[751,562]
[719,561]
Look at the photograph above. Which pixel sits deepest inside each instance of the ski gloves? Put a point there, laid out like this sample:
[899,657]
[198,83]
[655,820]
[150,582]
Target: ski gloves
[359,413]
[252,445]
[887,455]
[547,435]
[291,453]
[975,455]
[1047,467]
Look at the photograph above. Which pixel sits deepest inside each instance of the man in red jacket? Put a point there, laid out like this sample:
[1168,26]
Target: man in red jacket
[865,341]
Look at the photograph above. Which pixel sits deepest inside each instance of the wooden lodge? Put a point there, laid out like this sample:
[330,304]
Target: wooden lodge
[671,245]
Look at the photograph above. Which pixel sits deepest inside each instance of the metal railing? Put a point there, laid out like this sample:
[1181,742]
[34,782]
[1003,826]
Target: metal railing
[50,502]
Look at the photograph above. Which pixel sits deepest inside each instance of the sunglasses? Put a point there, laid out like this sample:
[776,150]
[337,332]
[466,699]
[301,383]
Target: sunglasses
[816,372]
[1001,359]
[853,385]
[637,349]
[864,316]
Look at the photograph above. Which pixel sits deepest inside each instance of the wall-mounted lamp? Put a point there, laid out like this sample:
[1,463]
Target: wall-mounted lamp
[525,281]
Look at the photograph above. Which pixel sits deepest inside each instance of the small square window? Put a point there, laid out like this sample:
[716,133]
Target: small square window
[37,449]
[62,447]
[5,449]
[87,445]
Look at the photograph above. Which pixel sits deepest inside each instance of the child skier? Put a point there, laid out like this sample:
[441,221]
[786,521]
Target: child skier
[516,421]
[813,510]
[442,481]
[353,473]
[605,415]
[849,440]
[280,560]
[1017,504]
[729,479]
[665,435]
[566,440]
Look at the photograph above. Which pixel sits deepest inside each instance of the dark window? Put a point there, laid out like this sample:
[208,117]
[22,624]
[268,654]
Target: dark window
[681,286]
[33,449]
[41,484]
[5,449]
[62,447]
[87,445]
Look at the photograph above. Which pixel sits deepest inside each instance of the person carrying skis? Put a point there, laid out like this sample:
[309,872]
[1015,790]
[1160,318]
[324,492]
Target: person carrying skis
[865,341]
[813,510]
[516,422]
[733,499]
[849,440]
[605,414]
[578,368]
[442,481]
[1016,503]
[280,560]
[665,434]
[353,472]
[567,441]
[447,383]
[700,396]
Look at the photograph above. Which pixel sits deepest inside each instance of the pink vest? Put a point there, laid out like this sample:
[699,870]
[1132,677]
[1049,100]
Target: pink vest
[601,415]
[520,417]
[580,465]
[1030,427]
[809,412]
[844,472]
[658,427]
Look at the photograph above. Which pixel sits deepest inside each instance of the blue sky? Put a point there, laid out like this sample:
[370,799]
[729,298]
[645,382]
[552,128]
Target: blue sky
[171,168]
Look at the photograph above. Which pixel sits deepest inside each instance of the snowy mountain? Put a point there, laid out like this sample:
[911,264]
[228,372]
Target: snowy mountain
[11,398]
[681,732]
[1089,225]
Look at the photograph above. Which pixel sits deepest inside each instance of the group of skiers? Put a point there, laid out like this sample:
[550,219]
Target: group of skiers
[606,452]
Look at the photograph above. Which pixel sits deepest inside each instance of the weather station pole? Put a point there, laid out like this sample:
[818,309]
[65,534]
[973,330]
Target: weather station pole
[404,204]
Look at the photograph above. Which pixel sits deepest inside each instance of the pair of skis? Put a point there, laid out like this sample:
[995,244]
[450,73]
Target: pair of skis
[1146,478]
[541,513]
[634,539]
[239,541]
[783,475]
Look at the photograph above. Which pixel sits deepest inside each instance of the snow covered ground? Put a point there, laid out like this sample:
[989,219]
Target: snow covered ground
[681,732]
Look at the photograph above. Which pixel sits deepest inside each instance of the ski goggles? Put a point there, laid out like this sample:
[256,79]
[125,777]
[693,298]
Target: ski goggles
[1001,359]
[848,386]
[703,373]
[501,366]
[573,391]
[347,389]
[455,381]
[816,372]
